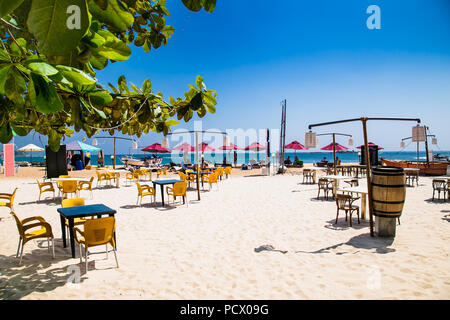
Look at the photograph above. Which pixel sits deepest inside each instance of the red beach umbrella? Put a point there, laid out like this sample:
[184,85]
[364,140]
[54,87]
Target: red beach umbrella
[255,146]
[338,147]
[184,147]
[231,146]
[295,145]
[370,144]
[205,147]
[156,148]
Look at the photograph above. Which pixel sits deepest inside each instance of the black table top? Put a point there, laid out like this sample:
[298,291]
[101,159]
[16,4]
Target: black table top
[170,181]
[86,210]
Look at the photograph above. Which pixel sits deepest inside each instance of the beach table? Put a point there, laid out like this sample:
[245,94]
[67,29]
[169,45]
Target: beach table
[68,179]
[162,183]
[336,179]
[201,173]
[117,172]
[362,190]
[70,213]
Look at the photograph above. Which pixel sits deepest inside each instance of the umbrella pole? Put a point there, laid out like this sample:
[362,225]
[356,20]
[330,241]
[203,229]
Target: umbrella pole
[334,153]
[196,155]
[368,174]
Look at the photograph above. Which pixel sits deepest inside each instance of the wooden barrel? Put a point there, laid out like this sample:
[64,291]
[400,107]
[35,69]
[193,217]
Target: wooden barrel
[388,191]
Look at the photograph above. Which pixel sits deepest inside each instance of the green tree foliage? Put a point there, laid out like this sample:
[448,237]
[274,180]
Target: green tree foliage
[49,55]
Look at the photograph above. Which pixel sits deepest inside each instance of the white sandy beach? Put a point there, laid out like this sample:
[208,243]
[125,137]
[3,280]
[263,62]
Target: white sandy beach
[207,250]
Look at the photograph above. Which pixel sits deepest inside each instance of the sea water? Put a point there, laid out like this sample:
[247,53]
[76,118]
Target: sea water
[245,157]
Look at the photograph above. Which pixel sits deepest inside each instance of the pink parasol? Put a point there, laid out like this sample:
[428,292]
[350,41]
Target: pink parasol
[205,147]
[338,147]
[295,145]
[184,147]
[156,148]
[255,146]
[370,144]
[230,147]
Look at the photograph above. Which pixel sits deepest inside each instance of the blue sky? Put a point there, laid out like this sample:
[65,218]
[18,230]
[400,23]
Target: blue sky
[319,55]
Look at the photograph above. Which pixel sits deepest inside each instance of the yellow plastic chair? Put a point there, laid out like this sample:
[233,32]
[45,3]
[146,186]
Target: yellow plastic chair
[190,177]
[59,183]
[45,187]
[74,202]
[212,178]
[9,197]
[162,171]
[182,176]
[97,232]
[111,176]
[69,187]
[178,190]
[86,185]
[131,176]
[227,171]
[23,226]
[219,172]
[145,190]
[101,176]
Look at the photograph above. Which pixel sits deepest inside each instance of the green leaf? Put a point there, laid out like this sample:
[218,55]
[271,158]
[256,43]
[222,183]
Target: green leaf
[209,5]
[196,101]
[193,5]
[75,76]
[20,130]
[147,86]
[4,56]
[100,98]
[4,71]
[113,48]
[47,99]
[54,139]
[103,4]
[40,67]
[15,85]
[115,15]
[5,133]
[8,6]
[55,30]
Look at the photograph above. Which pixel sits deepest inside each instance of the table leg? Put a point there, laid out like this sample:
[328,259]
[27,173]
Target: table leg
[117,179]
[63,229]
[162,194]
[315,176]
[72,240]
[363,206]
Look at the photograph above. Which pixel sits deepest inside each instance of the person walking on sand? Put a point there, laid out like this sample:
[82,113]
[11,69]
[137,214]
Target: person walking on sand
[235,158]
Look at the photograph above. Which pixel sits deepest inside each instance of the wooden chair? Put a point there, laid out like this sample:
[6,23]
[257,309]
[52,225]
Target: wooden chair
[411,177]
[345,202]
[440,185]
[9,197]
[308,175]
[325,185]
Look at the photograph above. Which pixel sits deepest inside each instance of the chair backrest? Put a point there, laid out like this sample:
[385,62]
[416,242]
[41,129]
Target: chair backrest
[11,199]
[213,177]
[354,182]
[19,225]
[182,176]
[342,200]
[99,231]
[228,170]
[69,186]
[64,176]
[439,183]
[74,202]
[179,188]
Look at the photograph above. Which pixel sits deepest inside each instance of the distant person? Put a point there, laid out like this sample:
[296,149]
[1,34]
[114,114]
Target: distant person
[324,159]
[235,158]
[296,159]
[287,161]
